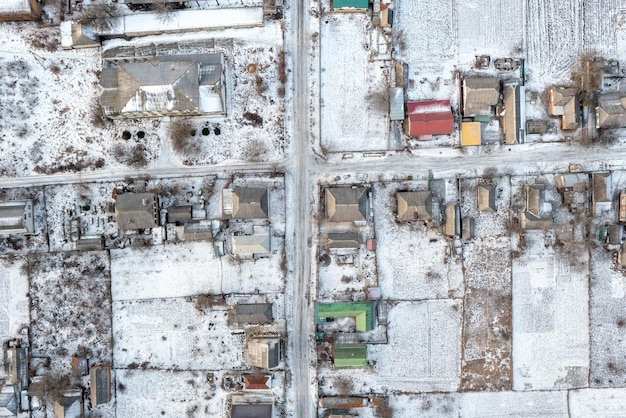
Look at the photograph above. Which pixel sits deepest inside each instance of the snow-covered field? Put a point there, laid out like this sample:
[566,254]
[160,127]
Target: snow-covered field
[14,298]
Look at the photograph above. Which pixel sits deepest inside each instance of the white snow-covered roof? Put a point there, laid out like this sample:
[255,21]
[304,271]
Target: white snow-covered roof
[14,6]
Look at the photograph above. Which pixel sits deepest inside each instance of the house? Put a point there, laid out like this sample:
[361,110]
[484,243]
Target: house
[169,85]
[345,204]
[16,361]
[514,114]
[413,206]
[100,384]
[433,117]
[396,103]
[245,203]
[69,404]
[264,352]
[486,198]
[343,240]
[563,103]
[257,382]
[13,10]
[468,226]
[480,95]
[362,312]
[251,411]
[350,5]
[611,111]
[536,213]
[253,314]
[136,211]
[179,214]
[76,36]
[17,217]
[601,192]
[248,245]
[471,134]
[615,235]
[349,352]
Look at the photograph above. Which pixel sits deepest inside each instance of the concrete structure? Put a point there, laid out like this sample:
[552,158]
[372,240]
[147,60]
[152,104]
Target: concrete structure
[563,103]
[486,198]
[17,217]
[413,206]
[480,95]
[245,203]
[100,384]
[264,352]
[537,213]
[171,85]
[611,111]
[257,243]
[362,312]
[345,204]
[253,314]
[433,117]
[13,10]
[136,211]
[470,134]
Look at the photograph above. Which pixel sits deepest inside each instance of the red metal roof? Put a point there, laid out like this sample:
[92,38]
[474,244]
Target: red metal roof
[432,117]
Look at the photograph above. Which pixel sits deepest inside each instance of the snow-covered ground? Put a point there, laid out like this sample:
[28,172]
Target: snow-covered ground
[14,297]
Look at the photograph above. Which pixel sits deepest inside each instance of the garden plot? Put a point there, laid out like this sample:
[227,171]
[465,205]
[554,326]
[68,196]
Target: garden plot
[608,321]
[413,261]
[14,297]
[550,317]
[159,393]
[174,334]
[347,281]
[354,90]
[70,308]
[423,352]
[189,269]
[597,403]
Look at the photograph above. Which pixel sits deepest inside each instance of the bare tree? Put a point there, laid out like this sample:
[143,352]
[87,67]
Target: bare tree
[99,15]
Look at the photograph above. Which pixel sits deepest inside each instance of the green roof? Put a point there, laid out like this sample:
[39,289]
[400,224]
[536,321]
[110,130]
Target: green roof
[350,356]
[347,4]
[363,312]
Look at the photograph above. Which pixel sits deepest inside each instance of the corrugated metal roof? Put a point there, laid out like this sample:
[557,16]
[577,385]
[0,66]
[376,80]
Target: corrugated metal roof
[433,117]
[363,312]
[254,313]
[350,4]
[251,411]
[396,104]
[250,203]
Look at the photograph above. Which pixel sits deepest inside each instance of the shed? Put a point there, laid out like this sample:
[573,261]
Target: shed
[514,114]
[343,240]
[69,405]
[16,362]
[251,411]
[14,10]
[100,384]
[76,36]
[396,103]
[348,352]
[414,206]
[179,214]
[467,228]
[245,203]
[563,103]
[351,5]
[363,312]
[167,85]
[615,234]
[253,313]
[486,198]
[264,352]
[470,134]
[433,117]
[601,192]
[257,243]
[611,111]
[452,226]
[17,217]
[257,382]
[136,211]
[480,94]
[80,366]
[345,204]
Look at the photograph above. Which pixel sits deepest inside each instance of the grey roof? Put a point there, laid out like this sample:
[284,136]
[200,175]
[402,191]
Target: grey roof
[180,214]
[615,234]
[479,95]
[611,111]
[343,240]
[100,384]
[396,104]
[135,211]
[254,313]
[414,205]
[257,243]
[163,85]
[8,404]
[16,216]
[345,204]
[70,405]
[250,203]
[486,198]
[251,411]
[600,184]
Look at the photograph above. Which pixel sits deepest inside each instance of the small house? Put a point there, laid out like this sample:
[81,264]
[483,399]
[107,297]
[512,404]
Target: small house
[343,241]
[253,314]
[69,404]
[100,384]
[259,410]
[427,118]
[480,95]
[362,312]
[563,103]
[136,211]
[249,245]
[601,192]
[471,134]
[611,111]
[345,204]
[413,206]
[350,5]
[264,352]
[257,382]
[486,198]
[245,203]
[536,213]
